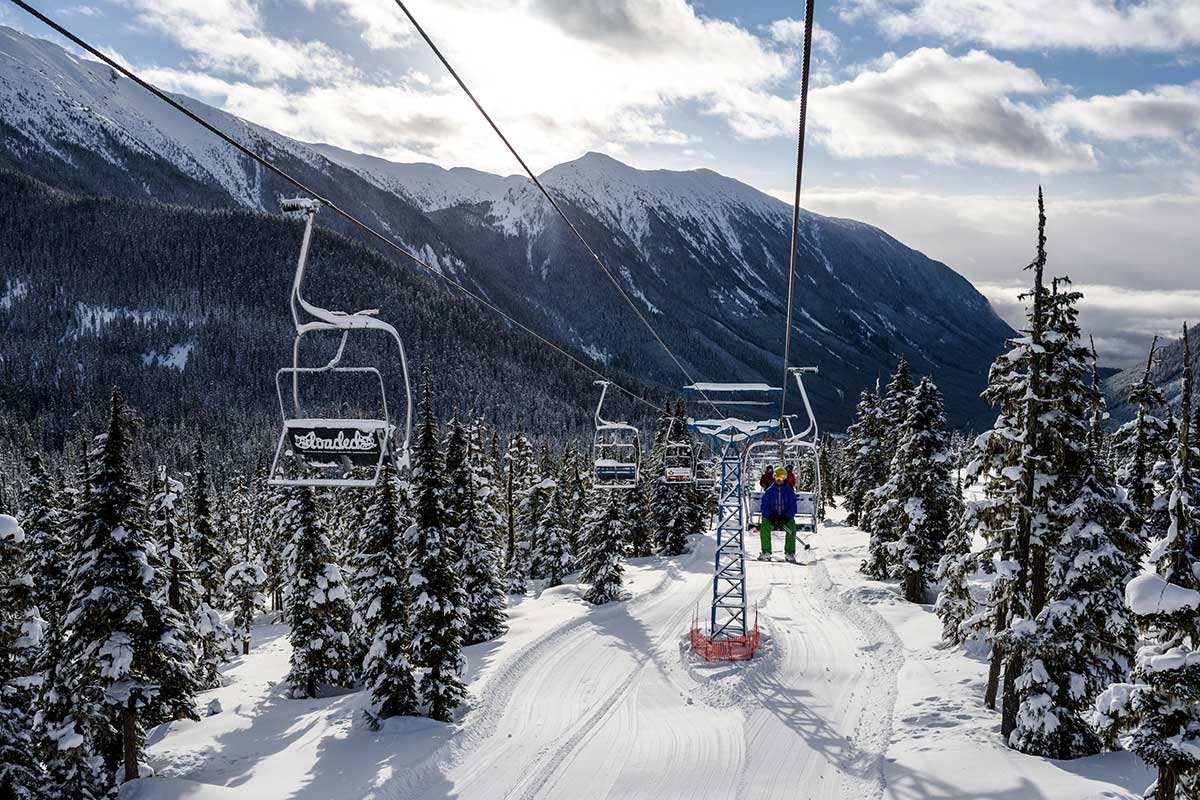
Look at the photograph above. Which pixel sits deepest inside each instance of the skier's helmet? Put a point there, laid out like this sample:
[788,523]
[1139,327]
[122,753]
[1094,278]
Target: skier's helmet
[780,473]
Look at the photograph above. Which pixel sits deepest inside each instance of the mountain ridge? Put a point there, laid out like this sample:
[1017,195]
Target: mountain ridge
[703,255]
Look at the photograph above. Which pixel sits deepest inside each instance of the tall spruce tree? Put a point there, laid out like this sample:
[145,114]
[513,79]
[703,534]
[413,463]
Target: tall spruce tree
[1082,638]
[518,475]
[47,556]
[671,503]
[125,659]
[555,535]
[317,605]
[439,607]
[384,598]
[1141,443]
[867,466]
[213,634]
[21,773]
[918,501]
[1158,710]
[478,562]
[1013,463]
[605,534]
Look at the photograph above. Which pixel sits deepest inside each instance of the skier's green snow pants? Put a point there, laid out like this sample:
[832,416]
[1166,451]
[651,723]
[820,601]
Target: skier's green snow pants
[789,541]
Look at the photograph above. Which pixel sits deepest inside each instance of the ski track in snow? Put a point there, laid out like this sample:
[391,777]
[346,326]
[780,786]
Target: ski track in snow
[610,703]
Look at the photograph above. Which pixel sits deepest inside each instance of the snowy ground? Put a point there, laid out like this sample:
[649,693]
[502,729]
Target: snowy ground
[851,697]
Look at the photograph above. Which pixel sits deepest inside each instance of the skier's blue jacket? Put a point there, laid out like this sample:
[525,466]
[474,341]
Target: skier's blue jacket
[779,500]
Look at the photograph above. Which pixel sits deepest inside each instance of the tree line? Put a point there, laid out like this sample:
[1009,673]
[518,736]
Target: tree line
[125,590]
[1089,650]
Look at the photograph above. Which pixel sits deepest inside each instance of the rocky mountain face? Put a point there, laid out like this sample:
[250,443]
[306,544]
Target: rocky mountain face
[703,256]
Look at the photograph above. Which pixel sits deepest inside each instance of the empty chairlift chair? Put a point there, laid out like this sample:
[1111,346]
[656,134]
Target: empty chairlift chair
[341,449]
[679,458]
[616,450]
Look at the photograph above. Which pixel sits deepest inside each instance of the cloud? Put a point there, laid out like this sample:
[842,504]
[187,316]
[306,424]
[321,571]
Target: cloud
[1153,25]
[791,31]
[227,36]
[1122,320]
[1163,112]
[561,78]
[946,109]
[1133,255]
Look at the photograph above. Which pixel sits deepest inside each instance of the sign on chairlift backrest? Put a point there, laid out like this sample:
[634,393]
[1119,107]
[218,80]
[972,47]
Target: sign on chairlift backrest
[678,474]
[320,445]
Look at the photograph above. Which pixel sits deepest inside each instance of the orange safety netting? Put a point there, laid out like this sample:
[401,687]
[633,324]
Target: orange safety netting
[725,648]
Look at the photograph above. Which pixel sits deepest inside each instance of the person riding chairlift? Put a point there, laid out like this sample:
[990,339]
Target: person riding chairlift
[778,507]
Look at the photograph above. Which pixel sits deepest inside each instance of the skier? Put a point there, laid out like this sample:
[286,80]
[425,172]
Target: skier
[778,508]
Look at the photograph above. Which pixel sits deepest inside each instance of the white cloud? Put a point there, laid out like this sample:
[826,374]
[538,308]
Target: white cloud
[1123,320]
[946,109]
[1163,112]
[560,77]
[791,31]
[1155,25]
[1135,256]
[228,36]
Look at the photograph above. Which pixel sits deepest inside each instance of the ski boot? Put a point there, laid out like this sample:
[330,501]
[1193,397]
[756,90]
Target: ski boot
[790,558]
[764,556]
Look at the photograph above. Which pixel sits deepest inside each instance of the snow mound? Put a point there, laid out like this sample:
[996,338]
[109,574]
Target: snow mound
[1151,594]
[9,529]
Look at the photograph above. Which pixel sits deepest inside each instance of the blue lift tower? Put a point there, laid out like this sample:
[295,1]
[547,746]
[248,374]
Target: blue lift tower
[731,416]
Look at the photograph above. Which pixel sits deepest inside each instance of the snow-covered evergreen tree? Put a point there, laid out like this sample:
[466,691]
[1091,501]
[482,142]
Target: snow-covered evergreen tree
[1081,639]
[671,503]
[125,661]
[518,473]
[213,635]
[532,521]
[244,582]
[955,605]
[1158,710]
[554,535]
[605,534]
[317,605]
[917,503]
[867,467]
[46,552]
[1015,465]
[384,598]
[893,408]
[1142,442]
[639,521]
[21,773]
[478,560]
[439,608]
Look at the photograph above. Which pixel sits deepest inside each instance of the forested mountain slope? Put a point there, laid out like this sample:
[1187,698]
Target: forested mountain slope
[186,310]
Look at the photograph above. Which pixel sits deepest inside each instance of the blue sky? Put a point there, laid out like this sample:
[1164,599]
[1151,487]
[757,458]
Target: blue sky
[934,119]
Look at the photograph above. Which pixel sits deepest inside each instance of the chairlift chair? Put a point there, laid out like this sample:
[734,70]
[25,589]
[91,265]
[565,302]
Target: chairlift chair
[805,444]
[341,450]
[616,450]
[759,456]
[679,459]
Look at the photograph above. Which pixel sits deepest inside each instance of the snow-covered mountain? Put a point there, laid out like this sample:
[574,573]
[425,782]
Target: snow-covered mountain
[703,255]
[1167,373]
